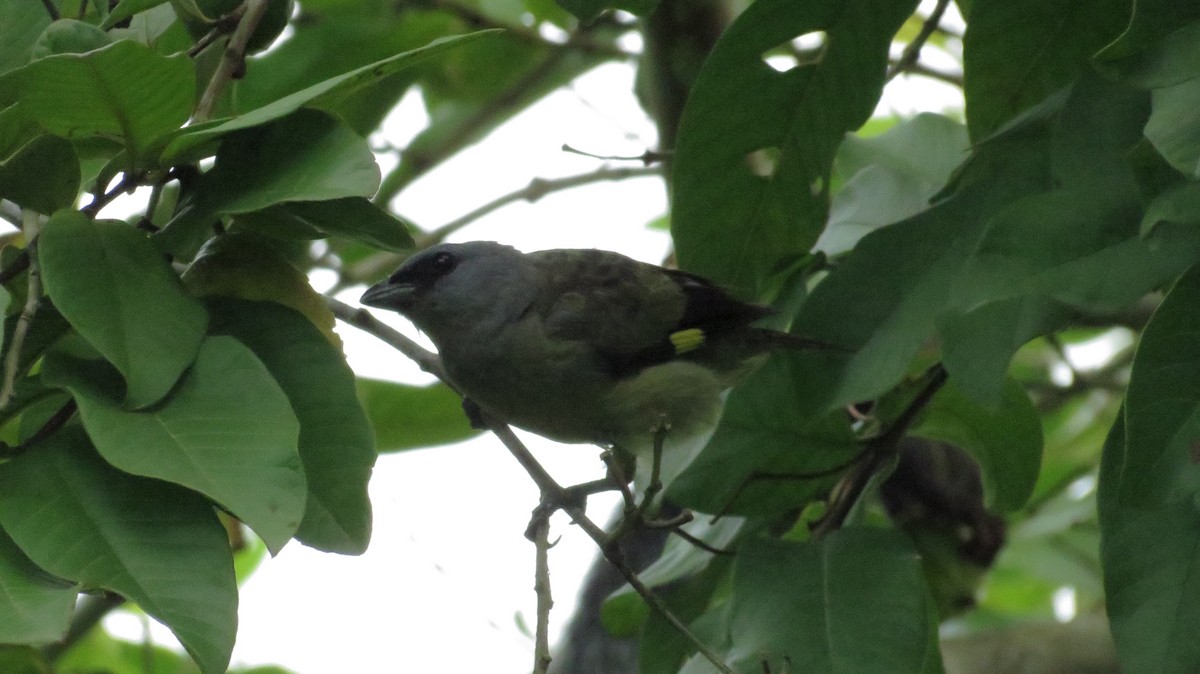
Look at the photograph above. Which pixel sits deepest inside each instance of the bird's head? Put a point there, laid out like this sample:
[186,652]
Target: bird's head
[450,286]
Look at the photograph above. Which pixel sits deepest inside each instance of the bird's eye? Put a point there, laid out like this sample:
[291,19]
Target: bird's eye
[443,262]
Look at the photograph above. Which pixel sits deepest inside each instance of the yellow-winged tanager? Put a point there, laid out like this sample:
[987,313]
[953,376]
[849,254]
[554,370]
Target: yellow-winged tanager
[581,345]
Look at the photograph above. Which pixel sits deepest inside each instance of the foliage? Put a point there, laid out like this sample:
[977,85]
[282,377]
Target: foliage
[164,375]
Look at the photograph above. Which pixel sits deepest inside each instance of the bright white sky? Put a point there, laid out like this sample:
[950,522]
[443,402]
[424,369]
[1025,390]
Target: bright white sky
[448,569]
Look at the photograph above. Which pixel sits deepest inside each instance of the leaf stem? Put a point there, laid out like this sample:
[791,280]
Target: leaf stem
[912,51]
[233,61]
[33,294]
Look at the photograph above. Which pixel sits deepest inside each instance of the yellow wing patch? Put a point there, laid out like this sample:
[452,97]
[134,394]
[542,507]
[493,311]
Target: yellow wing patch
[687,340]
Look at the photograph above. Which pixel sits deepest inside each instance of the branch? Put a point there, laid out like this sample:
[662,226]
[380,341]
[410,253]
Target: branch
[377,265]
[913,50]
[552,493]
[233,62]
[363,320]
[33,294]
[541,586]
[51,10]
[847,492]
[918,68]
[578,41]
[128,182]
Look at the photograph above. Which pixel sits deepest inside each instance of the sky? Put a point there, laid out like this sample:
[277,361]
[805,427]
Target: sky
[447,581]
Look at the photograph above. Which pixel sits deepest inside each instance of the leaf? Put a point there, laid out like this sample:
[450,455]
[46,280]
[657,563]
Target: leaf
[892,177]
[42,176]
[153,542]
[1167,58]
[586,10]
[1180,204]
[1006,441]
[767,427]
[854,602]
[730,224]
[23,23]
[321,95]
[1173,130]
[1017,53]
[226,431]
[265,166]
[1150,563]
[352,217]
[412,417]
[335,437]
[126,9]
[123,92]
[68,36]
[120,294]
[35,607]
[1162,406]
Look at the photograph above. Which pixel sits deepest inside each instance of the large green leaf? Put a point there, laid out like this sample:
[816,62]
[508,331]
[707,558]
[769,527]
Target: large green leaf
[42,176]
[1162,407]
[1151,567]
[335,438]
[321,95]
[35,607]
[730,223]
[225,431]
[411,417]
[23,23]
[156,543]
[120,294]
[1006,441]
[854,602]
[352,217]
[1017,53]
[124,92]
[265,166]
[1173,128]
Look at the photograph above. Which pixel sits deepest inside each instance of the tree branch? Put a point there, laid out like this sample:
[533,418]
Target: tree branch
[578,41]
[376,265]
[552,493]
[51,10]
[89,612]
[33,294]
[233,61]
[912,51]
[541,586]
[847,492]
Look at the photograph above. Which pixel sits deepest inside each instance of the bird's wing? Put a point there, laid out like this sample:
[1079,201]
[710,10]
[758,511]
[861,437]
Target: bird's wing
[632,314]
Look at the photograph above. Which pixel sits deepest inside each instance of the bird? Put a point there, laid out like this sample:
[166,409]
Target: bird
[582,345]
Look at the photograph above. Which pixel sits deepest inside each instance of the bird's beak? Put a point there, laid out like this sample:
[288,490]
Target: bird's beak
[388,295]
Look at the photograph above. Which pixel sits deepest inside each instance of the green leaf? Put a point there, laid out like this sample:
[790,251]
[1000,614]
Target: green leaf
[225,431]
[352,217]
[23,23]
[1172,59]
[892,177]
[123,92]
[35,607]
[153,542]
[116,289]
[42,176]
[729,223]
[68,36]
[1006,441]
[854,602]
[1162,407]
[265,166]
[324,94]
[1180,204]
[1150,567]
[767,427]
[335,437]
[412,417]
[1173,129]
[586,10]
[126,9]
[1152,21]
[1017,53]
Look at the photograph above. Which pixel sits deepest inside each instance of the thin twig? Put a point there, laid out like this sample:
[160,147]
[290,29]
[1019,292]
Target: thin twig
[578,41]
[363,320]
[952,78]
[55,422]
[12,361]
[541,587]
[880,449]
[51,10]
[912,51]
[233,61]
[552,492]
[646,158]
[128,182]
[376,265]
